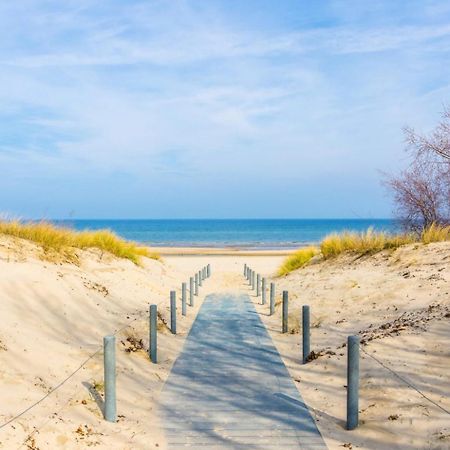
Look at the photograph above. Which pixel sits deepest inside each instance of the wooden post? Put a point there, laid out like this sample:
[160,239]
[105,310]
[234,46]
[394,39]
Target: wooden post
[109,365]
[352,382]
[306,333]
[191,291]
[263,291]
[173,312]
[285,312]
[272,298]
[196,284]
[153,333]
[258,284]
[183,298]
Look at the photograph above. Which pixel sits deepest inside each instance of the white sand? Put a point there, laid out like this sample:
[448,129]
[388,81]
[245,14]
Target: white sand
[53,316]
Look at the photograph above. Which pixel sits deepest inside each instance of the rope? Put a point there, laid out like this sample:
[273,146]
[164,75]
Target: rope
[38,429]
[402,379]
[51,391]
[405,381]
[61,383]
[55,388]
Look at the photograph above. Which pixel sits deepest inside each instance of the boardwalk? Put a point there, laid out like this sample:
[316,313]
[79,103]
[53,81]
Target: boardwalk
[229,388]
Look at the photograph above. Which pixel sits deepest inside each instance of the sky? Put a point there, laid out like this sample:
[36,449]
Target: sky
[214,109]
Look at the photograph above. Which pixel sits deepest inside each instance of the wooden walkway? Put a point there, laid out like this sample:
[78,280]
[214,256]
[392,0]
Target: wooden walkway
[229,388]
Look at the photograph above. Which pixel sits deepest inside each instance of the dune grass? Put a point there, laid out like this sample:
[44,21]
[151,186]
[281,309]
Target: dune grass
[367,242]
[436,233]
[61,240]
[297,259]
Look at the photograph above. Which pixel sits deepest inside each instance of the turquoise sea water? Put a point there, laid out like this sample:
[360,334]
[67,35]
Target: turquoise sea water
[242,233]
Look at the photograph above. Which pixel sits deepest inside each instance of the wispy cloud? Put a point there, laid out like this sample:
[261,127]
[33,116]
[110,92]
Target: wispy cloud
[177,94]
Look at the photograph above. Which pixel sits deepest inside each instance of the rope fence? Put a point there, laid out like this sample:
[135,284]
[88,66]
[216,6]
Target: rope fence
[353,347]
[109,361]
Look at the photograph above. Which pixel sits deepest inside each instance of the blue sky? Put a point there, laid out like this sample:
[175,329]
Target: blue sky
[160,109]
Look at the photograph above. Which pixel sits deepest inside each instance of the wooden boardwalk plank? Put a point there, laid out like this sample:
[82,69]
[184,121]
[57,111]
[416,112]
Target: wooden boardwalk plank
[229,388]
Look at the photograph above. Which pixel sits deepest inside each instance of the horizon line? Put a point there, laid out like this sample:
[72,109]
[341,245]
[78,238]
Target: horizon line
[218,218]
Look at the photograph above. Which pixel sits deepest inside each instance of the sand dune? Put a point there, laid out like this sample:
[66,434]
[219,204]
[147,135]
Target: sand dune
[400,305]
[54,315]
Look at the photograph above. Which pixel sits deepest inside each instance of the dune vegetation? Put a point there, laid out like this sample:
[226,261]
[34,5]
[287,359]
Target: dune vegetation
[367,242]
[297,259]
[62,240]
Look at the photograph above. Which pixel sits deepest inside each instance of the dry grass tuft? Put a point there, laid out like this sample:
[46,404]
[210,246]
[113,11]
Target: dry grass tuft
[436,233]
[297,260]
[63,240]
[367,242]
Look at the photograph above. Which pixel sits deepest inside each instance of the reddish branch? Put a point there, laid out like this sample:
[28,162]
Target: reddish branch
[422,192]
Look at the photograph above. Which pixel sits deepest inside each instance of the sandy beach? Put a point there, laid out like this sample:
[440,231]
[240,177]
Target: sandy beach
[54,315]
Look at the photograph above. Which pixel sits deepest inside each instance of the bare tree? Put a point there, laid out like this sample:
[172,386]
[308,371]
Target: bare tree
[436,145]
[422,191]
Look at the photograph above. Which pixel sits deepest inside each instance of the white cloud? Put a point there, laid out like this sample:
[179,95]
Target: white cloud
[148,90]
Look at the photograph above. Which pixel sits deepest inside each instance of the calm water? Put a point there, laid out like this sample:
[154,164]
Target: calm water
[244,233]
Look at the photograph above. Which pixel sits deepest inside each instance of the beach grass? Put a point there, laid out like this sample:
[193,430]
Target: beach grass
[297,259]
[436,233]
[62,240]
[367,242]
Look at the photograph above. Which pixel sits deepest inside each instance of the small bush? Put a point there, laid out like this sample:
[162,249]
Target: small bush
[61,240]
[297,260]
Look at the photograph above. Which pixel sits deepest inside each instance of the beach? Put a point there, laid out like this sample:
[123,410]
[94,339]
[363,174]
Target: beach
[225,225]
[55,314]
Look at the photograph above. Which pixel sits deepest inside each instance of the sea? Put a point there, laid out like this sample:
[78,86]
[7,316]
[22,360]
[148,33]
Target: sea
[252,234]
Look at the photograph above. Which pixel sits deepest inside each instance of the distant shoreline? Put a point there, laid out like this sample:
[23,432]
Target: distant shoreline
[228,236]
[221,251]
